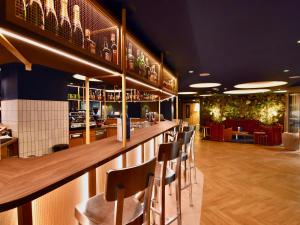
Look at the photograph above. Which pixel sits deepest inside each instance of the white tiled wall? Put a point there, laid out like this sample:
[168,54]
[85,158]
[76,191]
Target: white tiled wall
[38,124]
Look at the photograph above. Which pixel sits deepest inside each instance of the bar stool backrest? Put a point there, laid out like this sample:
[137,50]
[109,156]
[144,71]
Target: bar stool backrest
[185,137]
[168,151]
[123,183]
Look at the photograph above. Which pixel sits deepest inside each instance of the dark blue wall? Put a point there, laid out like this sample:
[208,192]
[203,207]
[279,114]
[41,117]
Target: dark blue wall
[167,109]
[41,83]
[134,109]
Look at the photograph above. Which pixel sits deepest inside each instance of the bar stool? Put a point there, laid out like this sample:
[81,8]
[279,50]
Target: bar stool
[117,205]
[192,149]
[164,175]
[185,139]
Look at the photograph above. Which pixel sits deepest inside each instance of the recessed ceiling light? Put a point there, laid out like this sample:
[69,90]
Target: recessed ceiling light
[286,71]
[205,85]
[81,77]
[191,71]
[280,91]
[298,42]
[261,84]
[204,74]
[187,93]
[246,91]
[294,77]
[206,95]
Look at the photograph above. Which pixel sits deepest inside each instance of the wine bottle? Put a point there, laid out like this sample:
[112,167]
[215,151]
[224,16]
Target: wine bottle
[65,29]
[105,51]
[114,48]
[142,65]
[147,68]
[35,13]
[77,35]
[137,60]
[51,22]
[90,45]
[130,58]
[20,10]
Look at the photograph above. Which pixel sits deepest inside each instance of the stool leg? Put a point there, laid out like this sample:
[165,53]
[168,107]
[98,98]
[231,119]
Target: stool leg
[178,203]
[191,185]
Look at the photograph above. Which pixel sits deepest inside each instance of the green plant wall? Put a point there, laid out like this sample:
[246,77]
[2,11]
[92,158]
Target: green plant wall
[267,108]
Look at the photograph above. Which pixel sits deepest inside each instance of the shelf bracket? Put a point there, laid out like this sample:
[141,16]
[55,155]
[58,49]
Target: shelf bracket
[9,46]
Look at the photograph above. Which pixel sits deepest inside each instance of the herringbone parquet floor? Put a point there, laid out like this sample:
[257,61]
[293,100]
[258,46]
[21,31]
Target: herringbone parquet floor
[248,184]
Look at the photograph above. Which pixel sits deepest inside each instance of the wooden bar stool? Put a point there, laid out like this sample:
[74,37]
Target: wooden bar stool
[164,175]
[185,138]
[117,205]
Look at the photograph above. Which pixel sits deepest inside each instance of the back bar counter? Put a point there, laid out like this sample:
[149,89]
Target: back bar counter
[57,182]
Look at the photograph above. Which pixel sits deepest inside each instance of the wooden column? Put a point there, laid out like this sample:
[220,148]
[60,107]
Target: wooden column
[123,65]
[177,106]
[25,214]
[92,173]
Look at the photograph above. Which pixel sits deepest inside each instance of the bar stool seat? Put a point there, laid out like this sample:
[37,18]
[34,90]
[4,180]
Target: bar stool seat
[97,210]
[170,175]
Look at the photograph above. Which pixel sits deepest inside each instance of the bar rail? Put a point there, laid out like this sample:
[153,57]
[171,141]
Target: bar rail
[23,180]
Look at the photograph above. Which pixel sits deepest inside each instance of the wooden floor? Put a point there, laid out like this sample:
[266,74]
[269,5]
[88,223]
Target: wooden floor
[247,184]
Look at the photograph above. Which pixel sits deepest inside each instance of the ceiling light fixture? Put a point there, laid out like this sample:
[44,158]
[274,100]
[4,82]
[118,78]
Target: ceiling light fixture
[206,95]
[204,74]
[298,42]
[294,77]
[82,77]
[187,93]
[261,84]
[280,91]
[286,71]
[246,91]
[205,85]
[191,71]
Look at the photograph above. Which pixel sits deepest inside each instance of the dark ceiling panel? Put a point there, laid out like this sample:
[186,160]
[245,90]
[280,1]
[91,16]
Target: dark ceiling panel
[235,41]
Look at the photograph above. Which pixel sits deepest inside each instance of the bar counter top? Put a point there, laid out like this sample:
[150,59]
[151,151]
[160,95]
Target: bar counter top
[23,180]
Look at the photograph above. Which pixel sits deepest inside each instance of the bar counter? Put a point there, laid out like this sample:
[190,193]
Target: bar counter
[23,180]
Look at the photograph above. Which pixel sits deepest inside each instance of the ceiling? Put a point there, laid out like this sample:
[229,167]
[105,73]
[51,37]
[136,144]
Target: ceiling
[235,41]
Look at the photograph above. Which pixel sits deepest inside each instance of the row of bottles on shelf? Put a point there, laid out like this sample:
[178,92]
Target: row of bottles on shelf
[46,19]
[132,95]
[140,63]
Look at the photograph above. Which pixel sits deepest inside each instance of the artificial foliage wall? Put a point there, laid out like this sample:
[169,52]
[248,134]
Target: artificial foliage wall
[267,108]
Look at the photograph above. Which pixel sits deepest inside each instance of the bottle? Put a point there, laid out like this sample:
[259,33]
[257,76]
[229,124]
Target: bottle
[35,13]
[51,22]
[142,65]
[20,9]
[130,57]
[90,45]
[105,51]
[77,35]
[114,48]
[65,29]
[147,68]
[137,60]
[153,74]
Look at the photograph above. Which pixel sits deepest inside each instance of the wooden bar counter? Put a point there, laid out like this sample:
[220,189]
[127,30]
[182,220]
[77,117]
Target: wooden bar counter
[23,180]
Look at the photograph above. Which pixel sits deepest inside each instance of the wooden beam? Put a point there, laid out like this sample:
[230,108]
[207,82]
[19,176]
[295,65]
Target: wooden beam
[6,43]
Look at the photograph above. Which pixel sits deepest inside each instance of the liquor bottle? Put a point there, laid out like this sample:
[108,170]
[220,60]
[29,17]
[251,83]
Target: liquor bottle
[130,58]
[78,37]
[147,68]
[114,48]
[51,22]
[65,29]
[137,60]
[90,45]
[142,65]
[105,51]
[21,9]
[153,76]
[35,13]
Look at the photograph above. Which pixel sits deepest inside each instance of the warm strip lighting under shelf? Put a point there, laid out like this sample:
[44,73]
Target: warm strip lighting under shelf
[54,50]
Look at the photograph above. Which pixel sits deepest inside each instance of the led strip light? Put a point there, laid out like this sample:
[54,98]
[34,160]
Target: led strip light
[72,57]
